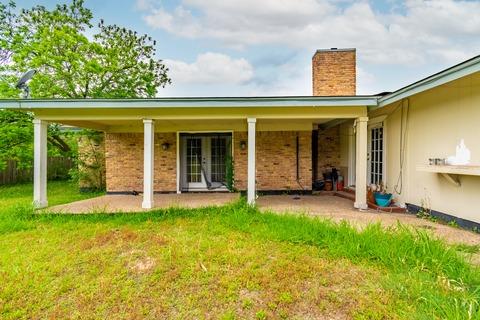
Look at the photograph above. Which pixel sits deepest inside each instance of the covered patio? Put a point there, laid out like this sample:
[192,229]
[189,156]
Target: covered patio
[250,121]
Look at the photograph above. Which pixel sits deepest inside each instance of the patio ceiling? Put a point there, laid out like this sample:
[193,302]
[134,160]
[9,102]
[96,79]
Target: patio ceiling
[196,125]
[172,119]
[181,114]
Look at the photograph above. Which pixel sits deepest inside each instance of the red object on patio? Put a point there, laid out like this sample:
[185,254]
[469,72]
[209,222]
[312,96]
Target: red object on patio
[340,185]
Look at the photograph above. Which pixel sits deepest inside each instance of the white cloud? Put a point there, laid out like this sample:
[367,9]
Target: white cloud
[144,4]
[366,82]
[288,83]
[445,30]
[397,43]
[210,68]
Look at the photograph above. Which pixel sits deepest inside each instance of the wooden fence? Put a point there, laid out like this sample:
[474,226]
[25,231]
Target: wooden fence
[57,169]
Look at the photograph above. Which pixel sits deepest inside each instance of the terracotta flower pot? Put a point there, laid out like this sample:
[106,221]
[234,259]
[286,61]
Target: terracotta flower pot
[328,185]
[370,196]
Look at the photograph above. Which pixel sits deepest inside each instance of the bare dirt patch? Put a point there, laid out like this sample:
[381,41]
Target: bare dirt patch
[138,261]
[110,237]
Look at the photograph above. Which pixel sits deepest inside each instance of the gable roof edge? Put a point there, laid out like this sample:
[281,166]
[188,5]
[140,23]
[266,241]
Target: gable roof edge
[453,73]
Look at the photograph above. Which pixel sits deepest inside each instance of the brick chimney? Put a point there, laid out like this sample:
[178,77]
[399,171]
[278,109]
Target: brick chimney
[334,72]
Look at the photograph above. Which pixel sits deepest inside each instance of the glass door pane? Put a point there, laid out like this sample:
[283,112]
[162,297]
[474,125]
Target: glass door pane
[194,160]
[376,155]
[218,153]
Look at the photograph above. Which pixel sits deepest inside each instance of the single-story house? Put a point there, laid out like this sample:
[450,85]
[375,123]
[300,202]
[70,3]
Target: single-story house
[284,143]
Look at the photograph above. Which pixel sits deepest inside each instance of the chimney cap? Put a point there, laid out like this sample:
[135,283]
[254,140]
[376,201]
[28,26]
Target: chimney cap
[336,49]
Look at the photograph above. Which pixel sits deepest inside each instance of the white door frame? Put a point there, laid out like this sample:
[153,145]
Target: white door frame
[179,151]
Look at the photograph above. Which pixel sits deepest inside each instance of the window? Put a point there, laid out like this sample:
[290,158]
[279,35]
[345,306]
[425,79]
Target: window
[376,148]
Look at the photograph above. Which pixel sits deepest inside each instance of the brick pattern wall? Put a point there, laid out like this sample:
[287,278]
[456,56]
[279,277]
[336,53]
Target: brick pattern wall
[165,162]
[276,160]
[334,72]
[124,162]
[240,160]
[328,150]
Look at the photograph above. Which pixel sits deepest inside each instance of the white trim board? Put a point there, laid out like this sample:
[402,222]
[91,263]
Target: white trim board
[213,102]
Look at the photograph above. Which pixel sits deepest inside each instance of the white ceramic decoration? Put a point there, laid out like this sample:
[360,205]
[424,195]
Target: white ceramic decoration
[461,157]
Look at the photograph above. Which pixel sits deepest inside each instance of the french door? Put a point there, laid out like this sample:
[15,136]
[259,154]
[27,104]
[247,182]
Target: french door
[204,161]
[195,161]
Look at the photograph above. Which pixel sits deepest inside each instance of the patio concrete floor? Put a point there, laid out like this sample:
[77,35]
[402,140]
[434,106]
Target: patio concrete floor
[326,206]
[131,203]
[338,209]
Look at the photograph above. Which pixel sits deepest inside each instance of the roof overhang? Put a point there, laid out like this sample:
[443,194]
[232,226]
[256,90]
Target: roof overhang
[204,113]
[372,102]
[203,102]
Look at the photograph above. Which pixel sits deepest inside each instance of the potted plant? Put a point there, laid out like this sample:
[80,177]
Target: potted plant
[382,197]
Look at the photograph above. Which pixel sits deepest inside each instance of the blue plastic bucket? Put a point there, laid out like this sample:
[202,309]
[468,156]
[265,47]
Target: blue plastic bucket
[383,199]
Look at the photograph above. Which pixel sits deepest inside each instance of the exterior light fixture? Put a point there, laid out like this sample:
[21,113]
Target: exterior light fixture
[243,145]
[22,83]
[165,146]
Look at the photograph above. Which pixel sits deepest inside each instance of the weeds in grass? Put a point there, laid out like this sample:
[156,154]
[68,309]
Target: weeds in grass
[433,277]
[423,269]
[453,223]
[467,248]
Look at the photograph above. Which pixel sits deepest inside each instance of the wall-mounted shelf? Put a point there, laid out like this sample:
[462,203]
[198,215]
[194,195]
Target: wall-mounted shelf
[451,173]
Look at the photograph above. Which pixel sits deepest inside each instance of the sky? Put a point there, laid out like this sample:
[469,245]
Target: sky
[264,47]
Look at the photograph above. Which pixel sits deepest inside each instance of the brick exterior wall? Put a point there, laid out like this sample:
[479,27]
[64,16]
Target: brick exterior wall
[328,150]
[124,162]
[165,162]
[334,72]
[276,160]
[240,160]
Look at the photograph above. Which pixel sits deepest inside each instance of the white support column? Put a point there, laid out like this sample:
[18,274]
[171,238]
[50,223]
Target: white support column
[148,163]
[361,163]
[40,163]
[251,189]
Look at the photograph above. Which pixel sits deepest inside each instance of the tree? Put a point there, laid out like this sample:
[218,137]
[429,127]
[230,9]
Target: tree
[117,63]
[16,138]
[7,23]
[114,63]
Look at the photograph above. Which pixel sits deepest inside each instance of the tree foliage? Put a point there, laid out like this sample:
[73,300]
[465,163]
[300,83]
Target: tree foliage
[73,59]
[16,137]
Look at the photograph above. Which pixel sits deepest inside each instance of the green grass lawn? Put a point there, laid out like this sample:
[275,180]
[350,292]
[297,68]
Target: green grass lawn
[230,262]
